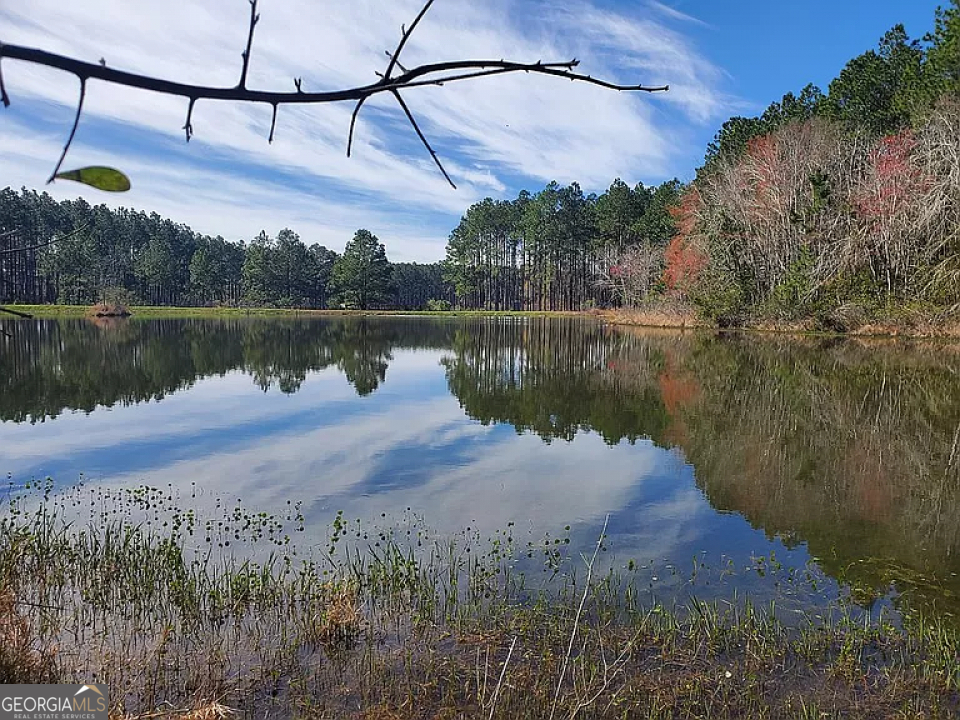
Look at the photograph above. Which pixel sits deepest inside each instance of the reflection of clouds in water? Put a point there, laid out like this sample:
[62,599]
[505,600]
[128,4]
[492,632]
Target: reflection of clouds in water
[521,479]
[466,475]
[407,445]
[312,466]
[213,403]
[220,402]
[655,529]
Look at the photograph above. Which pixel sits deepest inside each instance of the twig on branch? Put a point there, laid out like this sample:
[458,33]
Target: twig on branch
[436,74]
[402,68]
[73,130]
[254,19]
[273,124]
[404,36]
[353,123]
[188,125]
[16,312]
[4,98]
[27,248]
[423,139]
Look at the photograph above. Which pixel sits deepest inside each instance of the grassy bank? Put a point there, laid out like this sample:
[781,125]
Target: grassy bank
[384,624]
[142,311]
[672,315]
[902,324]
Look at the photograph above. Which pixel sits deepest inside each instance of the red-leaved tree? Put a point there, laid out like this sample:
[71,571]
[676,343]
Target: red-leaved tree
[684,258]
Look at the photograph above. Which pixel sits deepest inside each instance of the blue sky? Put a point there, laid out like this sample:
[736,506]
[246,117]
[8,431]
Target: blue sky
[495,136]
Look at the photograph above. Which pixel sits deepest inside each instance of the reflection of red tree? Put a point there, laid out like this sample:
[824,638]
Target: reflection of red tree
[678,390]
[872,492]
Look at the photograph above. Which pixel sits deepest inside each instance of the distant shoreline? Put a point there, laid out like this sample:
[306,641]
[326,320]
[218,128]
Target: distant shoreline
[653,317]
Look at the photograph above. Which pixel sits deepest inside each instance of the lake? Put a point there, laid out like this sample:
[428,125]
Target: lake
[730,455]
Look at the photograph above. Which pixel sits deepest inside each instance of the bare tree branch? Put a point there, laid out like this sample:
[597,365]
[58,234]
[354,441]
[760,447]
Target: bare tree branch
[254,19]
[27,248]
[91,71]
[73,130]
[396,94]
[15,312]
[496,71]
[394,59]
[4,98]
[436,74]
[404,36]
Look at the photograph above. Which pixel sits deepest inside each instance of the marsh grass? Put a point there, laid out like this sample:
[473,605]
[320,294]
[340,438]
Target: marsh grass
[207,618]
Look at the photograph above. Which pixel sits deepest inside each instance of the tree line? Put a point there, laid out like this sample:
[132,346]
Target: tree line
[839,205]
[561,249]
[74,253]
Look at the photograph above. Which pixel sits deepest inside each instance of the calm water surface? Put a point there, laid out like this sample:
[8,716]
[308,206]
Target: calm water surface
[723,448]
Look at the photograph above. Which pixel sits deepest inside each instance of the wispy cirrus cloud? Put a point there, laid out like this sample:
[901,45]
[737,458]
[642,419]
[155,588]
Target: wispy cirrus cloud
[494,134]
[674,13]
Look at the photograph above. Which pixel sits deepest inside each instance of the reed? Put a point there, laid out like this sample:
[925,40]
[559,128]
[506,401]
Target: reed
[209,618]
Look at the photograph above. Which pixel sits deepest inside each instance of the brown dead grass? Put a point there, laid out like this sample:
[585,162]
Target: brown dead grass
[661,315]
[20,660]
[920,329]
[679,315]
[108,310]
[204,710]
[339,622]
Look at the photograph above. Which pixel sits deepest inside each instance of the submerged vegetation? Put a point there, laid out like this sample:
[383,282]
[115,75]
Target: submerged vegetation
[174,610]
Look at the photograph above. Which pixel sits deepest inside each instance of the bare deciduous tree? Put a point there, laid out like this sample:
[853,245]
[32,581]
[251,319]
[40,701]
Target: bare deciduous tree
[634,273]
[937,157]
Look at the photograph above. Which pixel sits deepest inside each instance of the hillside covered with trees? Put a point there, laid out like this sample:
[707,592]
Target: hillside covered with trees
[839,205]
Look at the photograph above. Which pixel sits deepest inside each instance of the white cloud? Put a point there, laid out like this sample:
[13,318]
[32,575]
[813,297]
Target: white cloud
[673,13]
[491,133]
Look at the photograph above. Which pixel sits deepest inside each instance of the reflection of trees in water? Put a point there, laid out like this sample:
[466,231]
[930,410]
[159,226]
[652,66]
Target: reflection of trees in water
[49,366]
[549,377]
[850,447]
